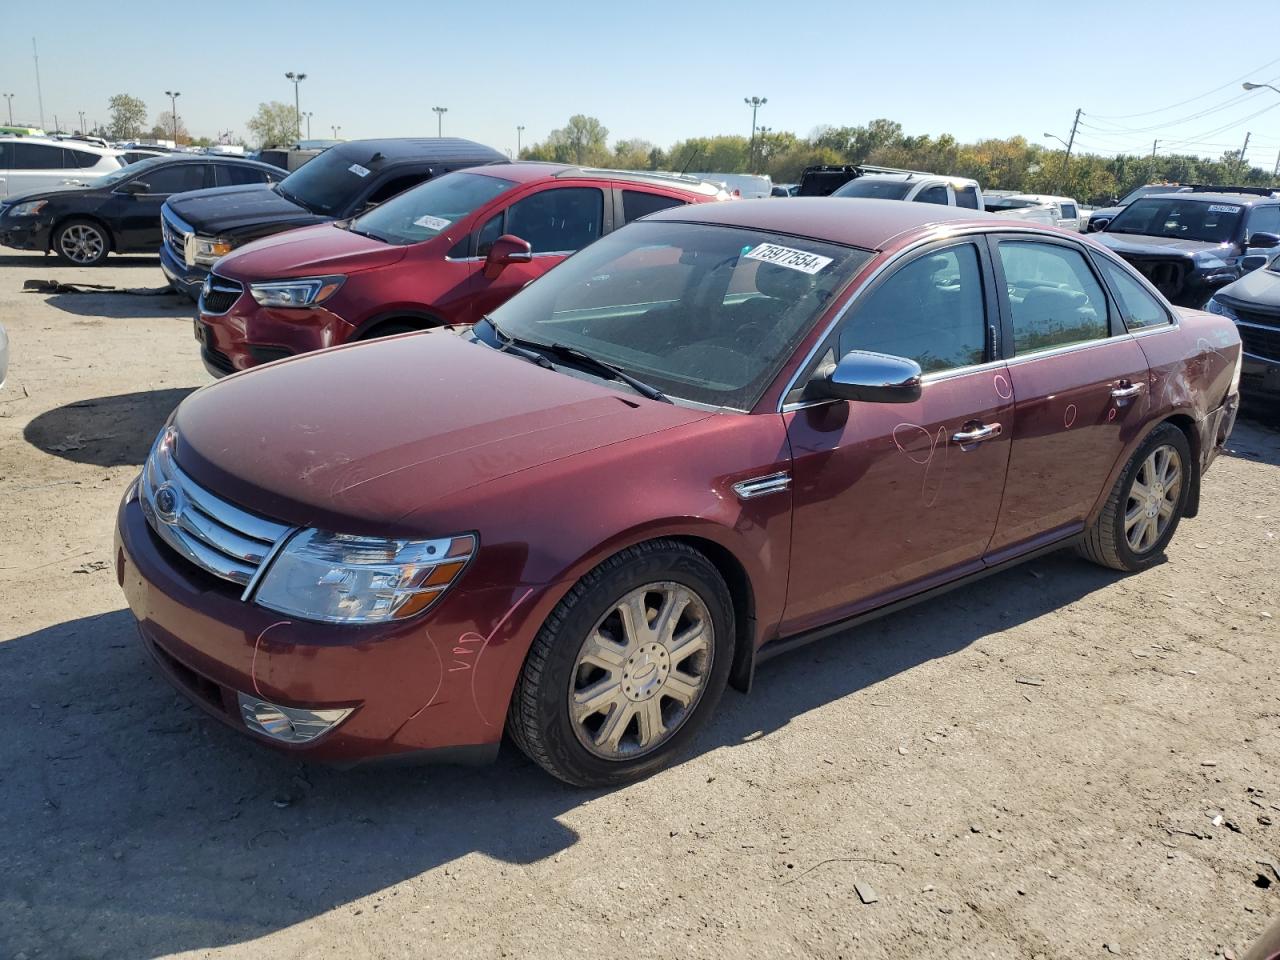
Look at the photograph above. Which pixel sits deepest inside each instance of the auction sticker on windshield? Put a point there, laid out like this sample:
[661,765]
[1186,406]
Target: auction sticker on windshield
[787,257]
[431,223]
[358,170]
[1223,208]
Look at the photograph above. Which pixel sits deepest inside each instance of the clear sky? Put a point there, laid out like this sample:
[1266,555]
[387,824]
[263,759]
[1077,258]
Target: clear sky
[662,71]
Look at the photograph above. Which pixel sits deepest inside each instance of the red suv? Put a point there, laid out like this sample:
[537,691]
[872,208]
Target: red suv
[445,252]
[712,436]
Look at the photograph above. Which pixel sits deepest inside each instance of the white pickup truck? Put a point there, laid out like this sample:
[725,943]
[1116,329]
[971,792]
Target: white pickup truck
[1037,207]
[891,183]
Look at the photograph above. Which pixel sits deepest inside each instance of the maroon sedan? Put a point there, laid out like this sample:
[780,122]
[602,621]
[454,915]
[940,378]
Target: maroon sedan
[445,252]
[704,439]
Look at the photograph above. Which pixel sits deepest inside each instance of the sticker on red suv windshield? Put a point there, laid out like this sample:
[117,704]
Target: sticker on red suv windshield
[1223,208]
[431,223]
[788,257]
[358,170]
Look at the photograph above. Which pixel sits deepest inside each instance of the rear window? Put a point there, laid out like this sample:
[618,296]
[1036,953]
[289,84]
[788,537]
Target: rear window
[875,188]
[968,197]
[636,204]
[79,159]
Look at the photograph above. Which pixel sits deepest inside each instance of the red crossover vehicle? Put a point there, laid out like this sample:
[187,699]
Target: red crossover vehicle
[706,438]
[445,252]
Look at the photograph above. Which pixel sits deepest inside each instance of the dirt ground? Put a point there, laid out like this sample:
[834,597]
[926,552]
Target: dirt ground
[1028,768]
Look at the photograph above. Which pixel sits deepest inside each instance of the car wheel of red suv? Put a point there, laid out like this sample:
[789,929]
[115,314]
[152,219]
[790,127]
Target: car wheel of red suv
[627,667]
[1141,514]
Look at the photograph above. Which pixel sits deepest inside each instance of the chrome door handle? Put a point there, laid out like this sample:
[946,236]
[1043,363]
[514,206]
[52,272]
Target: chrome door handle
[977,434]
[1124,393]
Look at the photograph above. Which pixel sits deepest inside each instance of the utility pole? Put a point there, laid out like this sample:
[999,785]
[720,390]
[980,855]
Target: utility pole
[39,95]
[57,125]
[308,115]
[1274,173]
[1066,160]
[755,103]
[297,78]
[519,139]
[1154,144]
[1247,135]
[173,96]
[9,97]
[439,112]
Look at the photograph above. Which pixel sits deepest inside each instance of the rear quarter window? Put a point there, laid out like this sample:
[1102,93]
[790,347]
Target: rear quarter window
[637,203]
[1138,308]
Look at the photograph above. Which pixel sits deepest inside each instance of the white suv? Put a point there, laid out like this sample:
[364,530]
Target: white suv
[37,163]
[888,183]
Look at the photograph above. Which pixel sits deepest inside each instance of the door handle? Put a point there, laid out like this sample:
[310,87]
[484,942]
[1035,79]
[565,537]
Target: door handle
[984,432]
[1124,392]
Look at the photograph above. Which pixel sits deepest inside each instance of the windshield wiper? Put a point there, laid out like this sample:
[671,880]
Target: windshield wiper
[519,347]
[609,370]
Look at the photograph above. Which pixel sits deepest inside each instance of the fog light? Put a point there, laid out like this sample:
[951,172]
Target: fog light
[288,724]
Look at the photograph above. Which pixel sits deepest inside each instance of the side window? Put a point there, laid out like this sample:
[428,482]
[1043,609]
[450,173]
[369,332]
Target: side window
[967,197]
[1138,307]
[78,159]
[234,175]
[558,220]
[36,156]
[490,232]
[930,311]
[1264,220]
[636,204]
[1053,295]
[1069,211]
[178,178]
[6,153]
[936,194]
[393,186]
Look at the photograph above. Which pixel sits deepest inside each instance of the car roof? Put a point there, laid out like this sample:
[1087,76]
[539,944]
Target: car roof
[441,149]
[1236,199]
[528,171]
[852,221]
[63,142]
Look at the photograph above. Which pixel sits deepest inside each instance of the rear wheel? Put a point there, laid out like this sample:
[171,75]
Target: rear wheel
[390,328]
[1141,514]
[630,663]
[82,243]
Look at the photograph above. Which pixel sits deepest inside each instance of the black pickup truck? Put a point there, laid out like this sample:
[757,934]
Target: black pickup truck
[201,226]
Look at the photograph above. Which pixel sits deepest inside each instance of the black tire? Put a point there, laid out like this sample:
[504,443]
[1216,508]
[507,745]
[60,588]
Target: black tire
[539,719]
[82,243]
[1105,541]
[391,328]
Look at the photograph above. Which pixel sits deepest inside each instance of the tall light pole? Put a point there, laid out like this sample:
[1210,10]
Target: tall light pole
[9,97]
[519,134]
[335,128]
[1259,86]
[173,96]
[439,112]
[297,78]
[308,115]
[35,54]
[755,103]
[82,129]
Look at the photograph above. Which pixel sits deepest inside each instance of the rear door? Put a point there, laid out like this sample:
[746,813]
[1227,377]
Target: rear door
[1079,384]
[36,166]
[891,499]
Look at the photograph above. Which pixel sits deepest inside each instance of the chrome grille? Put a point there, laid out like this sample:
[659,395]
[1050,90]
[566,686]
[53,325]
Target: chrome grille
[175,233]
[219,294]
[1260,342]
[216,536]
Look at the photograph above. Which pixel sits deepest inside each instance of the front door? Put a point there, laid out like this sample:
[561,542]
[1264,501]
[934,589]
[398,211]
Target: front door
[1078,384]
[138,214]
[891,499]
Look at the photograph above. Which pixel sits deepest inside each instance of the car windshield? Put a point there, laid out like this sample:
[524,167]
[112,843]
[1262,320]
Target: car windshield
[875,187]
[127,173]
[1179,219]
[327,184]
[707,314]
[426,210]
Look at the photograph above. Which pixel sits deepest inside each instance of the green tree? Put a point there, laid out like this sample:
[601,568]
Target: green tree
[720,154]
[128,116]
[633,154]
[274,123]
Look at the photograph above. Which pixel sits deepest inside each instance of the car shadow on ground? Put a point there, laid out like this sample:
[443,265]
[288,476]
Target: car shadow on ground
[137,826]
[121,305]
[1256,437]
[37,262]
[105,431]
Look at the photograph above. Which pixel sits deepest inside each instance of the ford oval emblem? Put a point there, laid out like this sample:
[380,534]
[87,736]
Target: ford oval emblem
[168,503]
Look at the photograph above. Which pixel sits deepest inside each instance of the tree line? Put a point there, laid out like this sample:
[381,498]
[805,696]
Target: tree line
[1012,163]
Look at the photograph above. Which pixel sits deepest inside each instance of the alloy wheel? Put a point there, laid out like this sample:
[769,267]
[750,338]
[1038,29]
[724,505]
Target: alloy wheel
[641,671]
[81,243]
[1153,498]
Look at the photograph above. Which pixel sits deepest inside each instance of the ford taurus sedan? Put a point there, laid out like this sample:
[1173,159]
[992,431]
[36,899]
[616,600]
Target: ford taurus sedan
[710,436]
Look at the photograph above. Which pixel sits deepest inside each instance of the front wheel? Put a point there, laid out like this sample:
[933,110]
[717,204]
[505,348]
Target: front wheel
[1141,514]
[627,667]
[82,243]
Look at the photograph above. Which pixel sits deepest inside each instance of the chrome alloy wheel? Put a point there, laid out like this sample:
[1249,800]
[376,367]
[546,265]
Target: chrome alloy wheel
[641,671]
[81,243]
[1153,498]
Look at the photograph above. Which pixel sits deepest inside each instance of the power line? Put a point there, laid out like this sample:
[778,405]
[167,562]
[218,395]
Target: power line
[1201,96]
[1207,111]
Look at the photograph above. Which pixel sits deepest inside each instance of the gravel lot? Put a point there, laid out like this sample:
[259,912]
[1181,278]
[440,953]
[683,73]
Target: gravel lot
[1026,768]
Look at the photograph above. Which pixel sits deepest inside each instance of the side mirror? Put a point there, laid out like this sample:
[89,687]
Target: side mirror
[1254,261]
[507,249]
[135,186]
[869,377]
[1264,241]
[1097,226]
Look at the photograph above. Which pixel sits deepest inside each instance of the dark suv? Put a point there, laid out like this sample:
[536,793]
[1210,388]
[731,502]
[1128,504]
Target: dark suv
[341,182]
[1190,244]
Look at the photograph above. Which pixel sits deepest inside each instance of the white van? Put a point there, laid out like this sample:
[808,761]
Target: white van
[37,163]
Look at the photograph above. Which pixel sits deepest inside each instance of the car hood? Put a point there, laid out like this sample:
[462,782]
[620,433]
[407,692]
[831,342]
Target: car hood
[1258,289]
[1105,212]
[1137,244]
[48,193]
[358,438]
[307,252]
[223,211]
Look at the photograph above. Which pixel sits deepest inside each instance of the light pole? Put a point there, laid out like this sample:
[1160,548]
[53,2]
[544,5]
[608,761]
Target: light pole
[297,78]
[755,103]
[439,112]
[9,97]
[1259,86]
[519,136]
[173,96]
[82,129]
[335,128]
[308,115]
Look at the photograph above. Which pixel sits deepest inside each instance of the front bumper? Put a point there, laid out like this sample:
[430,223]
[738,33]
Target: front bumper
[249,335]
[185,279]
[434,685]
[1260,380]
[24,233]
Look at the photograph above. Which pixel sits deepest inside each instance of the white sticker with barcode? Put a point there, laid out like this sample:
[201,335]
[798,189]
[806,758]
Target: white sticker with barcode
[359,171]
[1223,208]
[788,257]
[432,223]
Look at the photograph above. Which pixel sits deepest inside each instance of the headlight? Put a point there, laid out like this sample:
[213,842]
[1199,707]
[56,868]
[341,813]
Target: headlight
[29,209]
[1221,309]
[336,578]
[295,293]
[208,252]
